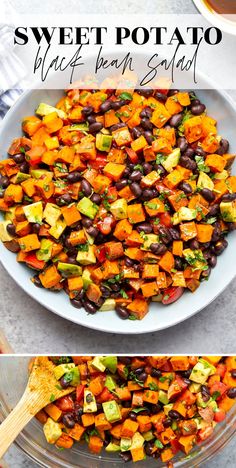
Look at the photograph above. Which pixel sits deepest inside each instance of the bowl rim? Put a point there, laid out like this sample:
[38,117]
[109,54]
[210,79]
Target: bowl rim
[221,21]
[79,319]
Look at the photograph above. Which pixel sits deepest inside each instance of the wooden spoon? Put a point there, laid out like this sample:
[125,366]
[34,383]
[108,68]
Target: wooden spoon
[41,388]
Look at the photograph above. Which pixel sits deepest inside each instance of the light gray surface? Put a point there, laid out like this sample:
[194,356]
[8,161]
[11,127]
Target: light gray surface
[32,329]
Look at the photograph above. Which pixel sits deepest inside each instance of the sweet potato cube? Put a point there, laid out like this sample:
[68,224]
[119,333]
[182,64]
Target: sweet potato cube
[160,115]
[150,270]
[204,232]
[167,262]
[93,293]
[111,268]
[150,396]
[101,422]
[71,214]
[138,144]
[13,194]
[138,454]
[150,289]
[77,432]
[29,242]
[95,444]
[177,248]
[75,285]
[180,363]
[161,280]
[166,455]
[123,229]
[114,250]
[188,231]
[187,443]
[139,308]
[88,419]
[154,206]
[215,162]
[122,136]
[135,213]
[178,279]
[114,171]
[129,428]
[173,179]
[144,423]
[65,441]
[50,277]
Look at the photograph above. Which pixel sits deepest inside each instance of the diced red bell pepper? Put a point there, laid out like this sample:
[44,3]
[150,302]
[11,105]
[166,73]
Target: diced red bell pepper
[159,427]
[219,415]
[101,255]
[105,226]
[99,162]
[105,395]
[221,369]
[112,194]
[79,392]
[65,404]
[188,397]
[218,387]
[33,262]
[167,367]
[172,294]
[132,155]
[175,445]
[165,219]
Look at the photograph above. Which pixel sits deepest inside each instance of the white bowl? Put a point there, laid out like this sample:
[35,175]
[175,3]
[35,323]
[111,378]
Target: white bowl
[220,106]
[226,23]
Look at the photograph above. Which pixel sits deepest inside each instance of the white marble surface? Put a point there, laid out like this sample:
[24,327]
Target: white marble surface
[31,328]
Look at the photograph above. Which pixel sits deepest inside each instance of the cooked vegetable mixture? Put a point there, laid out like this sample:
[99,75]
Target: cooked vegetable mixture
[154,406]
[119,197]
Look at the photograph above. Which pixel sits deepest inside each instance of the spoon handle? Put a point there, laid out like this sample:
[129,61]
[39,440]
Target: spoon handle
[14,423]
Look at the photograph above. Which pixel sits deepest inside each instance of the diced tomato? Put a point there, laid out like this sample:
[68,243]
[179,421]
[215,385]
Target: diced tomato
[33,262]
[218,387]
[65,404]
[203,434]
[172,294]
[132,155]
[188,397]
[165,219]
[105,226]
[159,427]
[221,369]
[79,392]
[112,194]
[99,162]
[219,415]
[167,367]
[106,395]
[181,382]
[175,445]
[101,256]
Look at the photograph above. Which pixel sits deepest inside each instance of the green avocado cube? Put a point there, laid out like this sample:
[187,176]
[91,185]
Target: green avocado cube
[119,208]
[52,431]
[34,212]
[184,214]
[103,142]
[111,447]
[10,215]
[228,211]
[125,444]
[201,371]
[57,230]
[21,177]
[51,213]
[87,207]
[171,160]
[68,270]
[137,441]
[75,377]
[149,239]
[62,369]
[204,181]
[112,411]
[90,405]
[110,362]
[38,173]
[110,383]
[86,277]
[83,127]
[45,251]
[109,304]
[45,109]
[88,257]
[162,397]
[4,234]
[148,436]
[98,364]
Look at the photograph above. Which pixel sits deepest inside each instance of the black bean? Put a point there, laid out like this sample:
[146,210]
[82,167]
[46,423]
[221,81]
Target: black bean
[160,96]
[147,194]
[208,195]
[117,104]
[71,260]
[146,112]
[122,312]
[91,119]
[78,412]
[146,92]
[155,373]
[182,144]
[212,261]
[19,158]
[195,101]
[189,153]
[105,106]
[146,124]
[174,415]
[174,233]
[126,172]
[186,162]
[197,109]
[87,222]
[105,292]
[232,392]
[90,307]
[95,127]
[187,189]
[172,92]
[96,198]
[158,249]
[186,373]
[220,246]
[233,373]
[117,126]
[11,229]
[132,416]
[37,282]
[136,189]
[214,209]
[136,132]
[178,263]
[224,147]
[200,152]
[36,228]
[86,187]
[68,420]
[87,110]
[126,456]
[76,303]
[231,226]
[206,273]
[175,120]
[64,199]
[73,177]
[24,167]
[148,448]
[147,167]
[129,262]
[142,377]
[156,408]
[145,227]
[149,137]
[136,176]
[228,197]
[121,184]
[125,360]
[187,381]
[64,382]
[115,287]
[164,234]
[205,393]
[92,231]
[167,422]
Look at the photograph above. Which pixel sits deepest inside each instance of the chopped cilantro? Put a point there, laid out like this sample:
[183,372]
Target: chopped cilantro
[201,164]
[138,410]
[211,220]
[215,395]
[22,150]
[126,96]
[52,397]
[153,386]
[123,294]
[158,444]
[83,247]
[132,317]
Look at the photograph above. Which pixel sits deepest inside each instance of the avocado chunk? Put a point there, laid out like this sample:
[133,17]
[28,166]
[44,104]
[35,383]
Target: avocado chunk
[45,109]
[112,411]
[45,251]
[204,181]
[228,211]
[103,142]
[110,362]
[148,436]
[86,277]
[201,371]
[21,177]
[184,214]
[4,235]
[119,208]
[73,377]
[172,160]
[112,447]
[168,408]
[57,230]
[51,213]
[10,215]
[149,239]
[83,127]
[98,364]
[110,383]
[38,173]
[137,441]
[52,431]
[162,397]
[62,369]
[195,387]
[109,304]
[34,212]
[88,257]
[125,444]
[68,270]
[87,207]
[90,405]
